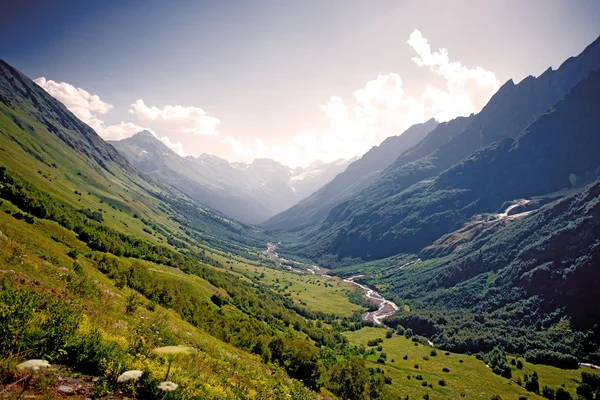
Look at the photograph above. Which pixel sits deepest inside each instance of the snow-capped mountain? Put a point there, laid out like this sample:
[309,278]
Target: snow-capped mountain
[247,192]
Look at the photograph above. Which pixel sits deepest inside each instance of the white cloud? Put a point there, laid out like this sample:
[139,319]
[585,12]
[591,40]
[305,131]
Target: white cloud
[467,89]
[382,109]
[179,119]
[87,107]
[176,147]
[374,112]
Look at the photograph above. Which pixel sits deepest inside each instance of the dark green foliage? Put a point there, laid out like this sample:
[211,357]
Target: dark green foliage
[548,393]
[554,358]
[496,359]
[562,394]
[132,303]
[349,379]
[589,389]
[532,383]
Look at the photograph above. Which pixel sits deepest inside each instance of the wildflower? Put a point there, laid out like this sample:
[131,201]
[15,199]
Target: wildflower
[133,374]
[33,365]
[168,386]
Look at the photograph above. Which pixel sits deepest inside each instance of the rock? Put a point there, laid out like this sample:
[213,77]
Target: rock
[64,389]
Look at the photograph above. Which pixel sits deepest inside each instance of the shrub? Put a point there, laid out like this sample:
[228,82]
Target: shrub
[442,382]
[445,369]
[33,322]
[548,393]
[562,394]
[132,303]
[91,355]
[433,353]
[532,383]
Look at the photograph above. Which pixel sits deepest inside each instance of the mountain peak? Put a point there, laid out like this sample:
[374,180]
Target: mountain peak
[145,134]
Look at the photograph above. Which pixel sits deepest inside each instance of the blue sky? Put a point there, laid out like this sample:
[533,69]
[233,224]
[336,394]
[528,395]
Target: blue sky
[294,81]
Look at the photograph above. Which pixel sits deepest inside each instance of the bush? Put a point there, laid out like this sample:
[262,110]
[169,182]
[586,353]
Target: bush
[532,383]
[562,394]
[132,303]
[548,393]
[89,354]
[33,322]
[442,382]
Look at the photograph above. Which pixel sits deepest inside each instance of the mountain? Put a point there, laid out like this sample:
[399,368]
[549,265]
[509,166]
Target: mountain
[526,284]
[106,269]
[246,192]
[357,176]
[390,216]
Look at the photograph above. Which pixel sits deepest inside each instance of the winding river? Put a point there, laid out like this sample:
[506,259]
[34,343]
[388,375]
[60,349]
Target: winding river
[386,308]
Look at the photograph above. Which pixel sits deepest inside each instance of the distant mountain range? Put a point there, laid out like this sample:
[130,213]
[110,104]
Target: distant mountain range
[358,176]
[471,165]
[246,192]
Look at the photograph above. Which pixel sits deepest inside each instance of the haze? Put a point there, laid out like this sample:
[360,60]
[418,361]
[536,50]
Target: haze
[294,82]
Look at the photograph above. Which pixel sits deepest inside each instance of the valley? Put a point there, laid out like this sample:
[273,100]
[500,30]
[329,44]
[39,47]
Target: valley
[448,247]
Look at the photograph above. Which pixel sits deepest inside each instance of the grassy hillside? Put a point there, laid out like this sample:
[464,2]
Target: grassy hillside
[97,326]
[418,370]
[101,267]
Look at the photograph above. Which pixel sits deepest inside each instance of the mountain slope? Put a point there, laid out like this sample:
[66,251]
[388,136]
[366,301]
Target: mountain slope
[507,113]
[357,176]
[523,284]
[44,142]
[247,192]
[393,217]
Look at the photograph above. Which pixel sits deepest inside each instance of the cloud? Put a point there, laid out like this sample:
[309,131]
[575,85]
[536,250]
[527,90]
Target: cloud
[87,107]
[382,109]
[176,147]
[178,119]
[467,89]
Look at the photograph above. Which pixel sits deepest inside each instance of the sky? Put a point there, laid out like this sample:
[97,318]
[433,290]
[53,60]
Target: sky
[294,81]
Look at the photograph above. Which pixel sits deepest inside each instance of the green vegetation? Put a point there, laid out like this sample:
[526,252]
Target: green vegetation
[462,375]
[100,265]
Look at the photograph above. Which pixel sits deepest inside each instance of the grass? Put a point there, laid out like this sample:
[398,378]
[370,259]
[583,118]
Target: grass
[315,292]
[31,259]
[470,379]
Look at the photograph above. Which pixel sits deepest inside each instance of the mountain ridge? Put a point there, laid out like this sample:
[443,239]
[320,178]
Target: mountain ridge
[246,192]
[357,176]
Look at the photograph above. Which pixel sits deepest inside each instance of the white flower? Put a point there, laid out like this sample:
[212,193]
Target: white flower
[129,375]
[33,365]
[168,386]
